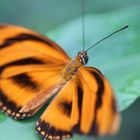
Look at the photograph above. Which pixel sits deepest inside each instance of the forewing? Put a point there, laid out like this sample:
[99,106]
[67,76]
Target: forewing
[19,45]
[99,115]
[29,64]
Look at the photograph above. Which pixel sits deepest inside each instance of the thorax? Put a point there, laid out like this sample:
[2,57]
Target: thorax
[71,68]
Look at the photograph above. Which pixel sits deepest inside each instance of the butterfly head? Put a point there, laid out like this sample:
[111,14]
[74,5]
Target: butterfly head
[83,57]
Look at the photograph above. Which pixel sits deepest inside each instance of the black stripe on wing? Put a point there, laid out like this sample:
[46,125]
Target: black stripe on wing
[80,93]
[24,37]
[25,61]
[65,107]
[49,132]
[5,102]
[25,81]
[99,78]
[10,108]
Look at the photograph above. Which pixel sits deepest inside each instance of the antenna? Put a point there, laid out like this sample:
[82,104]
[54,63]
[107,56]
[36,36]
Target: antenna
[106,37]
[83,22]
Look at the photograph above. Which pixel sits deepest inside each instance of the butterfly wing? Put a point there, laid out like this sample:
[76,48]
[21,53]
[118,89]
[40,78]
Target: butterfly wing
[98,111]
[18,44]
[30,64]
[85,105]
[61,115]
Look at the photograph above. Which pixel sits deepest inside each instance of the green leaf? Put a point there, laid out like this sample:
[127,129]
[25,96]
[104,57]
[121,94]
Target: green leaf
[2,117]
[118,58]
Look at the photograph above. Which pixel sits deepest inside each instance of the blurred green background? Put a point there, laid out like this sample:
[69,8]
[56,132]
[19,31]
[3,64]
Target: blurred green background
[118,57]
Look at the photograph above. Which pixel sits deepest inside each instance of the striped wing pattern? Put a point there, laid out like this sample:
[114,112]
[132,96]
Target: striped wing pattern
[99,101]
[85,105]
[56,121]
[29,62]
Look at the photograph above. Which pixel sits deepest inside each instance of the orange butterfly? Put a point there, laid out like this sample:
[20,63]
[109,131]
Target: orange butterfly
[33,68]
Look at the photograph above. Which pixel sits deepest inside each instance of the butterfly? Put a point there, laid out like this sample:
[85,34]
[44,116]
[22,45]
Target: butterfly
[33,68]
